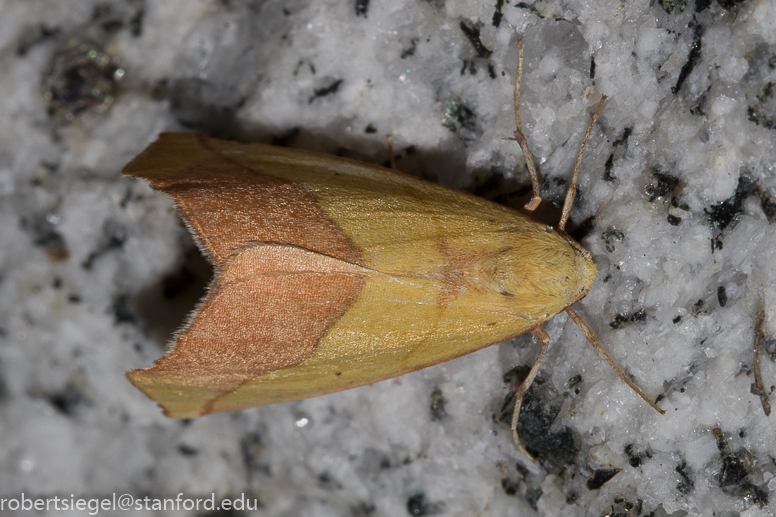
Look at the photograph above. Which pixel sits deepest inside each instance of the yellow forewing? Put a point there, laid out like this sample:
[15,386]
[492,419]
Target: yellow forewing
[332,274]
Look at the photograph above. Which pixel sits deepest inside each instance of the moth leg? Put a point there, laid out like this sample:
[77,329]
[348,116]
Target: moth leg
[594,341]
[391,157]
[572,191]
[521,390]
[519,137]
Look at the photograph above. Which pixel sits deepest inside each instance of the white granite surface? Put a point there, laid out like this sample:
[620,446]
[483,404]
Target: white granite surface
[96,271]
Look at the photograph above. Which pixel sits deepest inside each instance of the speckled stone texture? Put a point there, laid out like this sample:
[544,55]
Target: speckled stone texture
[677,203]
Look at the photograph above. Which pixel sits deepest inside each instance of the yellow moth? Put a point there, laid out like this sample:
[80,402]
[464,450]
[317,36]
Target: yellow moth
[332,274]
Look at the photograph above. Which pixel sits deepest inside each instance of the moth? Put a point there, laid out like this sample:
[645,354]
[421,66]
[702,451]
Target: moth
[332,273]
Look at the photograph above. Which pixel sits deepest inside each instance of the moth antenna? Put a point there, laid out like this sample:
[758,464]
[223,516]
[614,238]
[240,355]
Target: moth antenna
[594,341]
[521,390]
[572,191]
[519,137]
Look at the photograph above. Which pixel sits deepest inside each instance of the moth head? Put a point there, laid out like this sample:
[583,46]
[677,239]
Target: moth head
[546,274]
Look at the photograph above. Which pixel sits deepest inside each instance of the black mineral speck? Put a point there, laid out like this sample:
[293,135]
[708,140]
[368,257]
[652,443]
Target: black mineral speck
[362,6]
[409,51]
[67,400]
[363,509]
[628,317]
[46,235]
[761,119]
[553,445]
[622,507]
[669,5]
[728,211]
[600,477]
[608,167]
[735,480]
[722,296]
[327,481]
[761,113]
[733,471]
[574,382]
[82,76]
[113,238]
[637,458]
[530,8]
[662,185]
[136,23]
[610,236]
[532,495]
[623,140]
[35,36]
[701,105]
[497,14]
[717,243]
[121,310]
[325,91]
[459,119]
[418,506]
[472,32]
[437,405]
[768,206]
[686,484]
[491,71]
[693,57]
[252,449]
[510,485]
[187,450]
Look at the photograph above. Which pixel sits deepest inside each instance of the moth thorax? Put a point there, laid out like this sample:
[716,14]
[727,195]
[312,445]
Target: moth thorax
[559,272]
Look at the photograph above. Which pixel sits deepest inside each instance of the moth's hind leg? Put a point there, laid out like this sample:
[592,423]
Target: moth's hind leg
[521,390]
[391,156]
